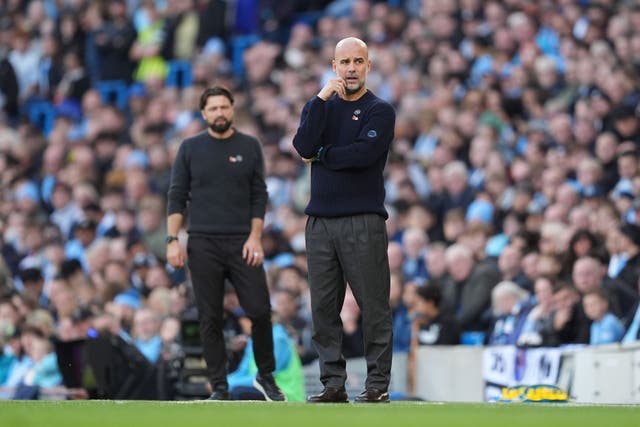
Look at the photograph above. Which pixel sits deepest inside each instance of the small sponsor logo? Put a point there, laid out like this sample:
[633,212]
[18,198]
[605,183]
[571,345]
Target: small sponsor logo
[372,133]
[534,393]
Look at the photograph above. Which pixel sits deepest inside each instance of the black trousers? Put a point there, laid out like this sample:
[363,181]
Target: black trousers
[350,250]
[212,259]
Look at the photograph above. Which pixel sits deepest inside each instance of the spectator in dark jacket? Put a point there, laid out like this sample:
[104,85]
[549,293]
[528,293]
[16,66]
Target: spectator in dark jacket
[8,89]
[468,294]
[114,40]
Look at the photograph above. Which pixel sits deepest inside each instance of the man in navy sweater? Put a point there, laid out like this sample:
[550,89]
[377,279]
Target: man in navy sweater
[345,133]
[220,172]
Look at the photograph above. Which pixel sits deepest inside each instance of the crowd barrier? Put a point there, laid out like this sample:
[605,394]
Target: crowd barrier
[589,374]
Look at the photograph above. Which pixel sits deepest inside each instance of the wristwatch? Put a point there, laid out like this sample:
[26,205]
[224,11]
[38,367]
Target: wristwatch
[170,239]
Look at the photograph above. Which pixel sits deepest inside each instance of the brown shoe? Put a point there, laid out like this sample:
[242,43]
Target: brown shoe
[372,395]
[330,395]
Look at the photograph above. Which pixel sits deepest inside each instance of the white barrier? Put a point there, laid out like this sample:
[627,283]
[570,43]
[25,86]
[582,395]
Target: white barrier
[590,374]
[607,374]
[449,373]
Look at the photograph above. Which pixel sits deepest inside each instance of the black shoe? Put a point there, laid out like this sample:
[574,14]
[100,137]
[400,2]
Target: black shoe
[220,394]
[372,395]
[330,395]
[268,387]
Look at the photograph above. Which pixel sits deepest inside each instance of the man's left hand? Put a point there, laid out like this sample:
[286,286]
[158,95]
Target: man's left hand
[252,252]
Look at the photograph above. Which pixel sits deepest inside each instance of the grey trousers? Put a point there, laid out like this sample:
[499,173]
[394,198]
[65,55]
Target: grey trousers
[350,250]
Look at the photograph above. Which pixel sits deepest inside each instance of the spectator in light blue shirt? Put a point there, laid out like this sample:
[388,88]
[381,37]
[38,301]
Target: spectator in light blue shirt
[37,368]
[146,334]
[84,234]
[606,328]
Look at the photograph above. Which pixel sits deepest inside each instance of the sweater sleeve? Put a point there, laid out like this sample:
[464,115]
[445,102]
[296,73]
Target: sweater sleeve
[372,142]
[313,120]
[179,186]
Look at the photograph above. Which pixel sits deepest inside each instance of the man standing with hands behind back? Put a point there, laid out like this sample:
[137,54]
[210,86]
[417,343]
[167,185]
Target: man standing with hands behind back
[345,133]
[221,173]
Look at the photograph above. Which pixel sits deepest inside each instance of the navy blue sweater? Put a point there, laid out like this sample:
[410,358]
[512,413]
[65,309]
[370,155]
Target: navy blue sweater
[355,137]
[223,179]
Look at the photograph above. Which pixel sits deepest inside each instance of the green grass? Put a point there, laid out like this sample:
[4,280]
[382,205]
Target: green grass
[261,414]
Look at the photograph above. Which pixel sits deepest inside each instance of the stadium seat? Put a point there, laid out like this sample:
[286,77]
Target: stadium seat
[179,74]
[238,45]
[42,114]
[114,92]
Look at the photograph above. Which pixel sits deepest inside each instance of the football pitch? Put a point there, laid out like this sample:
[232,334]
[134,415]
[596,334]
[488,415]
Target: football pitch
[263,414]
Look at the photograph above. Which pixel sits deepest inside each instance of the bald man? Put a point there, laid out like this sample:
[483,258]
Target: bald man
[345,133]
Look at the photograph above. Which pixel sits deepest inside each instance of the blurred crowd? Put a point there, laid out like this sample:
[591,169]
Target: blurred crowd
[513,183]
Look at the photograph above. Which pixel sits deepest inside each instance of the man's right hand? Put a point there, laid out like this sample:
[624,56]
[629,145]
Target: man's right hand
[175,258]
[335,85]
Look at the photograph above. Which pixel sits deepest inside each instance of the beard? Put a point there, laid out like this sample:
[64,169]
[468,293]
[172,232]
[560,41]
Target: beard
[220,127]
[350,91]
[353,89]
